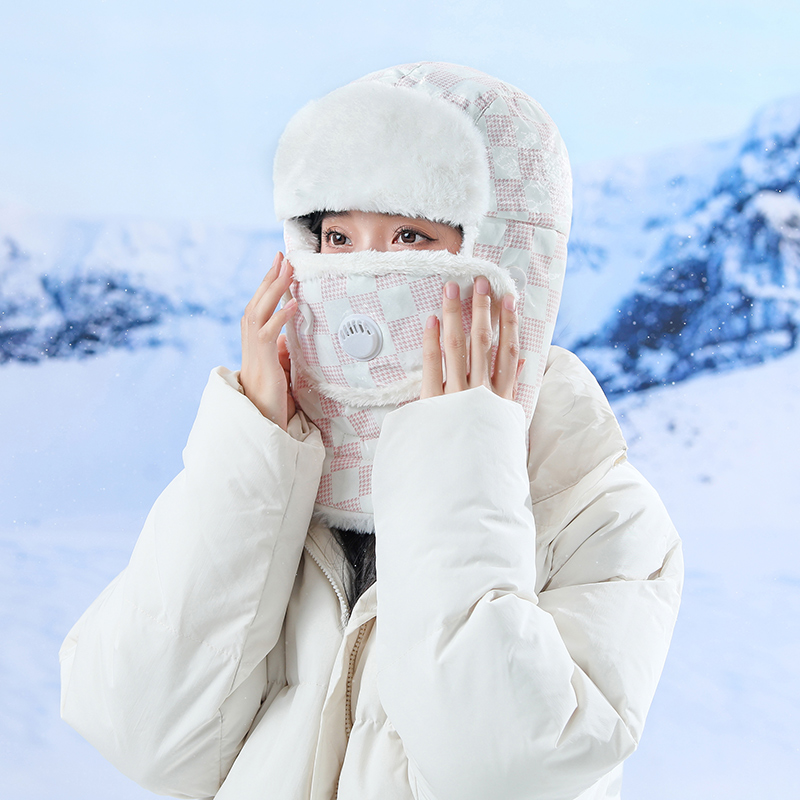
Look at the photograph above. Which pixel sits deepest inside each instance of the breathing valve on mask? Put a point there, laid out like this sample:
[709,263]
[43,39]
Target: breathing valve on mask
[360,337]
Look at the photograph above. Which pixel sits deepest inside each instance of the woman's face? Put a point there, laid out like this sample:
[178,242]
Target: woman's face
[354,231]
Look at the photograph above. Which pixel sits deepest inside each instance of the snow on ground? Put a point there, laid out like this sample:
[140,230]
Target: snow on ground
[722,451]
[86,448]
[48,575]
[87,445]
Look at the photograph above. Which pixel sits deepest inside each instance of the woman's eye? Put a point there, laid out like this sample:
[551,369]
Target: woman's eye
[409,236]
[336,239]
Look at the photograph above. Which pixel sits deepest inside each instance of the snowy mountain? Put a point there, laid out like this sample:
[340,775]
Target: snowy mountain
[719,263]
[680,262]
[72,288]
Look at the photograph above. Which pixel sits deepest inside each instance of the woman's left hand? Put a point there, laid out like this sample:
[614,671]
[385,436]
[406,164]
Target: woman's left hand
[503,379]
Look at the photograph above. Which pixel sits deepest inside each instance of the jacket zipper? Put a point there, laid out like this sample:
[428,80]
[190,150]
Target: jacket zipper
[348,694]
[351,667]
[351,672]
[343,605]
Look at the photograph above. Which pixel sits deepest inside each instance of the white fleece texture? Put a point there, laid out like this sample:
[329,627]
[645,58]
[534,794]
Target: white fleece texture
[451,267]
[376,147]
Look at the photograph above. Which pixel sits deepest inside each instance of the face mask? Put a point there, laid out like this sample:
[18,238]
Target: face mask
[356,348]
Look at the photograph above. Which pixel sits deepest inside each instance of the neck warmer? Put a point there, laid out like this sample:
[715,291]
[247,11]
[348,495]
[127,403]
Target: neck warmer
[429,140]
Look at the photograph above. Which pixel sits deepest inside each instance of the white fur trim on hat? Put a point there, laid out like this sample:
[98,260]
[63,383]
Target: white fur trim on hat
[375,147]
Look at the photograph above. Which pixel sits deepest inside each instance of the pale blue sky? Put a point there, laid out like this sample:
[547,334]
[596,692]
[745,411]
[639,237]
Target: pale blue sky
[172,108]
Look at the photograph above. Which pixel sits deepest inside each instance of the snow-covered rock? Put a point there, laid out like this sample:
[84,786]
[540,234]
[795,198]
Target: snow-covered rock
[72,288]
[718,282]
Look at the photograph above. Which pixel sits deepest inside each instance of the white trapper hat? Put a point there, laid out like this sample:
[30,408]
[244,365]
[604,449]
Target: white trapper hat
[431,140]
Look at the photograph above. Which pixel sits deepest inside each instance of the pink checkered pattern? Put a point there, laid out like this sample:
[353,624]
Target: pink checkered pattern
[427,294]
[510,195]
[365,425]
[390,280]
[344,454]
[500,130]
[539,272]
[532,164]
[349,457]
[532,331]
[405,333]
[526,227]
[405,337]
[535,233]
[488,252]
[361,426]
[519,235]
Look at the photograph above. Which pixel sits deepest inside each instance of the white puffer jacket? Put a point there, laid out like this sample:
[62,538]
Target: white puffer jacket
[510,648]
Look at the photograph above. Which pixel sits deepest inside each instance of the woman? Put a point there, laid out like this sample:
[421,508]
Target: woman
[528,576]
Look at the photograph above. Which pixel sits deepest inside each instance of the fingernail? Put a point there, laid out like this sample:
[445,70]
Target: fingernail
[481,285]
[277,259]
[508,302]
[431,321]
[451,290]
[284,267]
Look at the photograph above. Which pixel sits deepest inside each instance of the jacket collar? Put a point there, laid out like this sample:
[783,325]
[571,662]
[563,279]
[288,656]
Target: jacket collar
[324,550]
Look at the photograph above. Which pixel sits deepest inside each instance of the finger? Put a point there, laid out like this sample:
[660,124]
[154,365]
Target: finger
[480,344]
[283,354]
[520,365]
[286,364]
[505,367]
[250,319]
[267,280]
[269,332]
[455,343]
[432,381]
[268,302]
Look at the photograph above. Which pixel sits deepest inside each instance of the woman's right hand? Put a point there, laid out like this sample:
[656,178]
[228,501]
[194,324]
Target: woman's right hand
[265,361]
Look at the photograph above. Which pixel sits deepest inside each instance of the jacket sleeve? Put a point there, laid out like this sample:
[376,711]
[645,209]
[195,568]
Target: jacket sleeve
[164,673]
[498,683]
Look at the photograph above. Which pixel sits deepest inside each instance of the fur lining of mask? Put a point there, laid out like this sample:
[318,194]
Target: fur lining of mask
[374,147]
[413,263]
[379,397]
